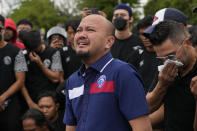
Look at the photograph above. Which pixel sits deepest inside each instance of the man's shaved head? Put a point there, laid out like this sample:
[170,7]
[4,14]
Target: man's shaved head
[109,26]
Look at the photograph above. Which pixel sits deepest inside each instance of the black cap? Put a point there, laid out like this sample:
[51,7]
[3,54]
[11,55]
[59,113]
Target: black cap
[195,10]
[31,39]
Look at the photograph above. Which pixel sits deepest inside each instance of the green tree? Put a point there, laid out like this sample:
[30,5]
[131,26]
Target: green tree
[185,6]
[108,6]
[42,13]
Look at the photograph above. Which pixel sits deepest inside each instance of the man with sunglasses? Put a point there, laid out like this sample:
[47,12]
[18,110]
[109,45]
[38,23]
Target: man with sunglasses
[12,77]
[172,44]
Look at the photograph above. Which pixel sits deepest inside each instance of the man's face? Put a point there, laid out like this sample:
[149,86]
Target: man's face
[91,38]
[57,41]
[30,125]
[168,48]
[48,107]
[145,41]
[1,31]
[24,27]
[124,14]
[9,34]
[70,35]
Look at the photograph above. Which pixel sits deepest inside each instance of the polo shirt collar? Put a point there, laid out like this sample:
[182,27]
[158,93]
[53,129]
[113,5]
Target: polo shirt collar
[99,65]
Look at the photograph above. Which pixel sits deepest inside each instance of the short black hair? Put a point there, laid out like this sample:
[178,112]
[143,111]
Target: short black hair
[167,30]
[36,115]
[2,20]
[74,23]
[193,35]
[25,22]
[51,94]
[145,22]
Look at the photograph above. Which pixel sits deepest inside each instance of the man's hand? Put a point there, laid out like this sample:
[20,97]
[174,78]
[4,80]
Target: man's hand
[2,101]
[193,86]
[56,44]
[34,57]
[168,74]
[86,12]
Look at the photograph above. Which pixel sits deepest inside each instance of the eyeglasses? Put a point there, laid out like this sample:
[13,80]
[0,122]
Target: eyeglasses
[171,57]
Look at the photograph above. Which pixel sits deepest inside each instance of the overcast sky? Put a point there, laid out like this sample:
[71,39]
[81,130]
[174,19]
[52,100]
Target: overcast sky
[5,9]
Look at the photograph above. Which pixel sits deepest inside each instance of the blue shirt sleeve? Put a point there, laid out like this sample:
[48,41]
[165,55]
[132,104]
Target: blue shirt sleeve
[130,91]
[69,118]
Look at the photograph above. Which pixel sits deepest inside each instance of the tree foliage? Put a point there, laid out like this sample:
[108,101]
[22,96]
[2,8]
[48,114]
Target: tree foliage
[185,6]
[107,6]
[42,13]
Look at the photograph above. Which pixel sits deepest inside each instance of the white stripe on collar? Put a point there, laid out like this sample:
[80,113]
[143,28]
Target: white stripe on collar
[106,64]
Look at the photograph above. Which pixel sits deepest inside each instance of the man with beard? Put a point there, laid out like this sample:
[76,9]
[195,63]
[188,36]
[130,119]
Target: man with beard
[125,41]
[171,44]
[105,94]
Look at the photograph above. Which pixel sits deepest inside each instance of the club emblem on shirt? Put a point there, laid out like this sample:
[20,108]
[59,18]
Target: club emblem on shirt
[47,62]
[101,81]
[7,60]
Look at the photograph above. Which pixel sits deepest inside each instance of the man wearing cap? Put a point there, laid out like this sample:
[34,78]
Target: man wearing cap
[172,45]
[161,15]
[56,37]
[44,64]
[125,41]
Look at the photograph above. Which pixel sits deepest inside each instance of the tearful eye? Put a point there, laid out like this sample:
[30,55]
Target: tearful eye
[78,30]
[91,30]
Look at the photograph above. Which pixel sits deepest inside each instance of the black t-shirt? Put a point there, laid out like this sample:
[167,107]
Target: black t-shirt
[7,58]
[70,61]
[58,125]
[121,49]
[11,60]
[146,64]
[179,104]
[36,81]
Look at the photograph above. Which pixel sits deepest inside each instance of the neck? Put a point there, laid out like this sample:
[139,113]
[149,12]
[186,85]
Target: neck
[191,64]
[54,118]
[89,61]
[2,44]
[123,34]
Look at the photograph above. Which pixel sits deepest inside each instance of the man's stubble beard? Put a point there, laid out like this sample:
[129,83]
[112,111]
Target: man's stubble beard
[83,55]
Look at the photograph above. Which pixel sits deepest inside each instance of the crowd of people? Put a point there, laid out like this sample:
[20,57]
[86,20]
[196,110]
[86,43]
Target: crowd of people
[97,75]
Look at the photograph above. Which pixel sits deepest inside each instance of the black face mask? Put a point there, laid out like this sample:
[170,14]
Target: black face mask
[0,37]
[120,23]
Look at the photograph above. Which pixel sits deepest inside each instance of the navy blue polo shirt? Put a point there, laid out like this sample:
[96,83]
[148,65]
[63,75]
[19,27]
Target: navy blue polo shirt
[105,96]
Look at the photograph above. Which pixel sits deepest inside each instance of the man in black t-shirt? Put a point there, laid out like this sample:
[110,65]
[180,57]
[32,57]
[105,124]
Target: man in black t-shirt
[12,67]
[49,105]
[125,41]
[144,59]
[44,64]
[172,44]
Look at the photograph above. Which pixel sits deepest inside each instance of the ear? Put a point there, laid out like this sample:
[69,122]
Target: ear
[182,25]
[57,106]
[131,19]
[187,42]
[110,42]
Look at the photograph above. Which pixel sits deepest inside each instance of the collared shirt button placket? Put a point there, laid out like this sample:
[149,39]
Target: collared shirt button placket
[85,99]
